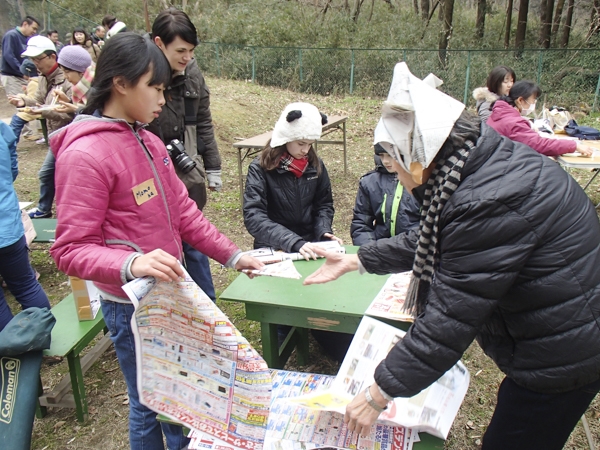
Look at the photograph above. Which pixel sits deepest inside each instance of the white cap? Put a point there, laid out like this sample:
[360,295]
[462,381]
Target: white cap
[298,121]
[38,45]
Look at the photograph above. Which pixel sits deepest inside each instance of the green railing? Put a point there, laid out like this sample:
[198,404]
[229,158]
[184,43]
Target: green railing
[568,77]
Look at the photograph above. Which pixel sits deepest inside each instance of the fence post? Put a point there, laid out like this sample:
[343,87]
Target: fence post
[404,55]
[351,71]
[300,62]
[596,95]
[539,71]
[468,76]
[253,67]
[218,60]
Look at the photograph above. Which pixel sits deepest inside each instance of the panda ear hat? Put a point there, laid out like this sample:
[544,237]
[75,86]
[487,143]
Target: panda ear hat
[298,121]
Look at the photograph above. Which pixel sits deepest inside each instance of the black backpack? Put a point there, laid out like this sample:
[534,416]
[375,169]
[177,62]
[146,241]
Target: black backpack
[581,131]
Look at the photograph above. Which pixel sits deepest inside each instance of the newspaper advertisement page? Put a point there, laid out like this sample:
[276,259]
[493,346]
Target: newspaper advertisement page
[432,410]
[194,366]
[389,302]
[269,255]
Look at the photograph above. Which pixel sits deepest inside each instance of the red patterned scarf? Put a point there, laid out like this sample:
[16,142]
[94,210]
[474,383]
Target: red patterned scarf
[296,166]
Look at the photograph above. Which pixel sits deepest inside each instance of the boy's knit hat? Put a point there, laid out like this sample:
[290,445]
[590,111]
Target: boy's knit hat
[75,57]
[298,121]
[28,68]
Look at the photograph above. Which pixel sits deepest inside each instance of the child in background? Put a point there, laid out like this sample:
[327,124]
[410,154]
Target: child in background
[78,67]
[22,118]
[108,230]
[383,208]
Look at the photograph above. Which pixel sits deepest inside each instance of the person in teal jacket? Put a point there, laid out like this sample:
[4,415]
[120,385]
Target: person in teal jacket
[15,268]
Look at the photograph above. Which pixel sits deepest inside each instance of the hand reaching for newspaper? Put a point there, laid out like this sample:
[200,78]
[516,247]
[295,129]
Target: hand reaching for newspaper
[360,416]
[158,264]
[336,265]
[585,150]
[248,262]
[333,238]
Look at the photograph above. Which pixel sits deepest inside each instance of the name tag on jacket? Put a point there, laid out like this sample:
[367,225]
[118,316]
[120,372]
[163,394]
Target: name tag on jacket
[144,191]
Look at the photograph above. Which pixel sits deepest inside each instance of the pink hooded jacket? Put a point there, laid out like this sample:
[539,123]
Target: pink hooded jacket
[117,194]
[507,121]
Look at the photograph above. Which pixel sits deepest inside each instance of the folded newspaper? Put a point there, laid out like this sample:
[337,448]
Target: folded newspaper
[283,269]
[389,302]
[269,255]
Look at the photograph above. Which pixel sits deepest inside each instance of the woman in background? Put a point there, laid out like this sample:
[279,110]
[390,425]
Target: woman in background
[83,39]
[499,82]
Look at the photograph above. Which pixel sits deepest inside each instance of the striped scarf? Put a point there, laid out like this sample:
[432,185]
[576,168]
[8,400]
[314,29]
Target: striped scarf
[80,90]
[442,183]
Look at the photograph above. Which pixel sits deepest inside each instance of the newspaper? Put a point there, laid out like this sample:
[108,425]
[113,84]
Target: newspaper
[194,366]
[389,302]
[283,269]
[432,410]
[269,255]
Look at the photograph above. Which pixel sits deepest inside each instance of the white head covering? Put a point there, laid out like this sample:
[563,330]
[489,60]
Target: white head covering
[416,118]
[298,121]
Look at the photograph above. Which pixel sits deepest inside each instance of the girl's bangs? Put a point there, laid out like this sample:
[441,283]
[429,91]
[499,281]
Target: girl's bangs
[159,65]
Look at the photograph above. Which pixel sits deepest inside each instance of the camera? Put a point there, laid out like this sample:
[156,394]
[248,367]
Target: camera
[179,157]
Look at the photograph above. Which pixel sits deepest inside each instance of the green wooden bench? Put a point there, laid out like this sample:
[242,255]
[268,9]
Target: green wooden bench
[69,338]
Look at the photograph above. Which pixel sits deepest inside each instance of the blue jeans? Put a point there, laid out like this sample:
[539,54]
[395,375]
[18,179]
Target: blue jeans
[144,430]
[47,189]
[198,267]
[20,279]
[16,125]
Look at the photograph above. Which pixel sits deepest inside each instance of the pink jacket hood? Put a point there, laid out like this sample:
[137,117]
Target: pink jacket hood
[507,121]
[117,195]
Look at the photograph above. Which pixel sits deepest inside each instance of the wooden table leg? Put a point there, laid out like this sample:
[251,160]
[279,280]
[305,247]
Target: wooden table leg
[78,386]
[40,411]
[241,176]
[270,345]
[345,155]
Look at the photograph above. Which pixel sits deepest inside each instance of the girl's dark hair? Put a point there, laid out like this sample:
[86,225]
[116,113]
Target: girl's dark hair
[85,39]
[108,21]
[523,88]
[130,56]
[270,156]
[466,128]
[496,77]
[171,23]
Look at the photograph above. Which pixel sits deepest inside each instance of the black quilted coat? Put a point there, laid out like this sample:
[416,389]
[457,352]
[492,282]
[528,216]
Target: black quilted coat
[519,271]
[284,212]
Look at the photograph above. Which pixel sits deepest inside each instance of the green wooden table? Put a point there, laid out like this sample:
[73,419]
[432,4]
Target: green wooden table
[69,338]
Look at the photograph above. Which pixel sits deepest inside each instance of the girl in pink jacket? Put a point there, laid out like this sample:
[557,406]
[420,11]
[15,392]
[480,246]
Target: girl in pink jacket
[122,210]
[508,119]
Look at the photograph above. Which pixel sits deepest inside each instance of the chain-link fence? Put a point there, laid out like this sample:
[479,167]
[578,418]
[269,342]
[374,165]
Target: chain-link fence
[568,77]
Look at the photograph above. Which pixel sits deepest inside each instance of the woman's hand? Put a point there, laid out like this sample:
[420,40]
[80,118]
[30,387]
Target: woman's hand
[585,150]
[308,251]
[66,107]
[360,416]
[61,96]
[16,101]
[333,238]
[336,265]
[247,262]
[158,264]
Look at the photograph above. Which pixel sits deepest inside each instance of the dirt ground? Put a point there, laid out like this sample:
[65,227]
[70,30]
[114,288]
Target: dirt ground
[241,110]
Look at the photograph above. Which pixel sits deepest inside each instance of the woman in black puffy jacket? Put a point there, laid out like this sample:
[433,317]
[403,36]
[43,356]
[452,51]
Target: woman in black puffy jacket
[288,201]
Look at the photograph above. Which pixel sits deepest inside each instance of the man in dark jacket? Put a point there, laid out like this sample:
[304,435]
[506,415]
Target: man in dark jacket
[382,208]
[13,44]
[515,267]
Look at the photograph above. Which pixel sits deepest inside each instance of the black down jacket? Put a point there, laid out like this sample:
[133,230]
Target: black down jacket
[519,271]
[284,212]
[382,208]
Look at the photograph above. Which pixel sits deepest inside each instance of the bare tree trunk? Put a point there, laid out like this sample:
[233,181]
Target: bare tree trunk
[595,19]
[183,5]
[424,9]
[446,34]
[556,22]
[416,6]
[356,12]
[521,26]
[21,9]
[371,12]
[480,24]
[509,9]
[564,41]
[546,22]
[146,16]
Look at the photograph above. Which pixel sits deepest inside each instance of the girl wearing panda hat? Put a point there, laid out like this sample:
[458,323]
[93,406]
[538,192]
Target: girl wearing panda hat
[288,201]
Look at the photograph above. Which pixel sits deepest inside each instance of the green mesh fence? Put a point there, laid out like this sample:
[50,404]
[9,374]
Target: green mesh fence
[568,77]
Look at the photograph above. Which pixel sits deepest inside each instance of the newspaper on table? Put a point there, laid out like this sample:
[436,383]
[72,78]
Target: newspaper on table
[389,302]
[283,269]
[269,255]
[432,410]
[194,366]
